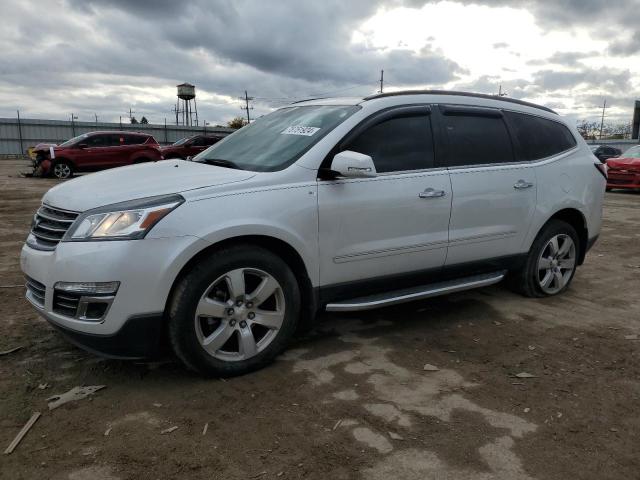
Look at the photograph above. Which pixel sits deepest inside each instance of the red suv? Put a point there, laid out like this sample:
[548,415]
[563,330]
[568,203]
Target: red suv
[95,151]
[190,146]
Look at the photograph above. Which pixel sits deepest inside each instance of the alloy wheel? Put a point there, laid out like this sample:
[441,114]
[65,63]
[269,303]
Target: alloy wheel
[239,314]
[62,170]
[556,264]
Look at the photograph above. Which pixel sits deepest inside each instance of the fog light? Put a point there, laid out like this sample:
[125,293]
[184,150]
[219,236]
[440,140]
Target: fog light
[88,288]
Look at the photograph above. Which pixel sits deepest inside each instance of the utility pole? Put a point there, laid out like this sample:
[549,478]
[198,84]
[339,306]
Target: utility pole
[73,125]
[131,112]
[246,99]
[20,132]
[381,80]
[604,108]
[120,122]
[501,93]
[96,115]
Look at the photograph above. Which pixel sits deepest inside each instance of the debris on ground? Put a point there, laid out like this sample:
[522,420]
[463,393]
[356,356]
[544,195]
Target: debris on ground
[43,386]
[11,350]
[631,337]
[12,446]
[76,393]
[430,368]
[204,430]
[497,323]
[337,424]
[524,375]
[107,431]
[526,410]
[395,436]
[168,430]
[13,286]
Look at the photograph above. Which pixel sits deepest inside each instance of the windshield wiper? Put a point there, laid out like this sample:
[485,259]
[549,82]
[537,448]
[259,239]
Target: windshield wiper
[219,162]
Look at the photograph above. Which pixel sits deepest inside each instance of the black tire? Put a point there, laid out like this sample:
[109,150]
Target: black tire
[62,169]
[608,189]
[525,280]
[191,287]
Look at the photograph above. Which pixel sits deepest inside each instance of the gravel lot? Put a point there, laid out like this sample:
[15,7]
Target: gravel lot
[351,399]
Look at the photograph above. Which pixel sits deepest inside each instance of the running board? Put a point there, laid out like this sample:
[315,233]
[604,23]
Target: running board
[416,293]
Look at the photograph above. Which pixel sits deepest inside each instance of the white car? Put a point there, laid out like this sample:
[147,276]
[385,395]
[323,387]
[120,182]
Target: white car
[329,204]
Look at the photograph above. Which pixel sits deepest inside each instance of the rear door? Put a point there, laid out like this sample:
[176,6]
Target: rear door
[494,197]
[394,223]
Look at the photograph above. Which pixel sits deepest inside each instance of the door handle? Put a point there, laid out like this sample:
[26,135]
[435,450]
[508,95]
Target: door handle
[521,185]
[431,193]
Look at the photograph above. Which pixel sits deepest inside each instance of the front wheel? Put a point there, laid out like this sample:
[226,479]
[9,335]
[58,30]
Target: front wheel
[62,170]
[551,262]
[234,311]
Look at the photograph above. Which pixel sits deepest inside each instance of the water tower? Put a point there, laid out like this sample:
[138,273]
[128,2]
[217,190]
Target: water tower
[184,108]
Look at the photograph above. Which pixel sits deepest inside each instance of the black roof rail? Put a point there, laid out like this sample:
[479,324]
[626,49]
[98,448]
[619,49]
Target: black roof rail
[461,94]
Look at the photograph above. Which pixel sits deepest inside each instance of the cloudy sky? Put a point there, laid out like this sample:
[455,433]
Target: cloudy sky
[104,57]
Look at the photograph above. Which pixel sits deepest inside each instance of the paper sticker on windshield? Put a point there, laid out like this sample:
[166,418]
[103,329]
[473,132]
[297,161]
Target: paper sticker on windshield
[300,130]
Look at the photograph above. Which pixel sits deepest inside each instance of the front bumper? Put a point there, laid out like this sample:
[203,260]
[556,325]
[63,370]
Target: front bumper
[623,179]
[139,337]
[146,270]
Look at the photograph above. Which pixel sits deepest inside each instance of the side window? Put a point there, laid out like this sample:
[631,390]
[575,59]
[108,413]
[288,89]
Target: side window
[539,137]
[397,144]
[95,141]
[199,141]
[134,139]
[208,141]
[476,140]
[114,140]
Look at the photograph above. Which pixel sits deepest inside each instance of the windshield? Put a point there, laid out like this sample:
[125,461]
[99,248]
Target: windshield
[181,141]
[73,140]
[275,141]
[633,152]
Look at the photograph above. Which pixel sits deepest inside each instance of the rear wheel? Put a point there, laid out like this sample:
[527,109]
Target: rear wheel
[234,311]
[551,262]
[62,170]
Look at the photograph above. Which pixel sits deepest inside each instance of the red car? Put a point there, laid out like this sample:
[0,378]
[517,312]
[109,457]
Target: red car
[95,151]
[624,171]
[190,146]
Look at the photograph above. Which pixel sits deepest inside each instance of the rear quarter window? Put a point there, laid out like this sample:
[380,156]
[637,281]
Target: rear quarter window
[539,137]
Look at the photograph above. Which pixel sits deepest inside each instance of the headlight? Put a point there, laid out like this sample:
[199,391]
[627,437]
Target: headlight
[122,221]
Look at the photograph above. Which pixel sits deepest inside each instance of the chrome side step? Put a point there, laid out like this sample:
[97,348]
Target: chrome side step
[416,293]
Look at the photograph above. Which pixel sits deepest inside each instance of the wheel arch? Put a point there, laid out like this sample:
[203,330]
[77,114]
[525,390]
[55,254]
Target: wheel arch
[64,159]
[577,220]
[278,247]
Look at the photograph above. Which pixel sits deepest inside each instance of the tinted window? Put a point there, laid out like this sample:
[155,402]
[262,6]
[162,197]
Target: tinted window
[113,140]
[477,140]
[95,141]
[539,137]
[403,143]
[207,141]
[134,139]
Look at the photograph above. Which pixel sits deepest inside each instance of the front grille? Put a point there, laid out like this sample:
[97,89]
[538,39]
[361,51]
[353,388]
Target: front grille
[66,303]
[49,226]
[35,291]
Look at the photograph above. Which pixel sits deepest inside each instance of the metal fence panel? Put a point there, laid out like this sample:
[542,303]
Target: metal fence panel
[36,131]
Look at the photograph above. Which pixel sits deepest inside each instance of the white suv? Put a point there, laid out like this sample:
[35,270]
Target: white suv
[329,204]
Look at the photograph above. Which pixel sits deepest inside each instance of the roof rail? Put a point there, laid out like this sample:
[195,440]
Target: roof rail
[461,94]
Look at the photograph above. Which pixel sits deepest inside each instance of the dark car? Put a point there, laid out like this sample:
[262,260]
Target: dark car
[190,146]
[95,151]
[605,152]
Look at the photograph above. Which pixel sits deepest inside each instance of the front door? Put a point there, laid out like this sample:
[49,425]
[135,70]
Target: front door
[391,224]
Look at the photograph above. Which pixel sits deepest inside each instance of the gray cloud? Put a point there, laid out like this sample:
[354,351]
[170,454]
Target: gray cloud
[85,56]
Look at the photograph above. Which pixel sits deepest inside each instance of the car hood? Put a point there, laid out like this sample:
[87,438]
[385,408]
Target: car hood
[623,162]
[139,181]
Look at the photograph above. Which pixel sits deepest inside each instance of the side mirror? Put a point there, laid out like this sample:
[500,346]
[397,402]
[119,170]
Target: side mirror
[353,165]
[82,145]
[189,158]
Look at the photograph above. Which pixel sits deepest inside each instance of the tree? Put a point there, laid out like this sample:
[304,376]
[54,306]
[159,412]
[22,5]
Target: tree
[236,123]
[133,120]
[144,121]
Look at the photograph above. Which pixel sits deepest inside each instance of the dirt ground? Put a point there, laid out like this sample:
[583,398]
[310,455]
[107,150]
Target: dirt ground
[351,399]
